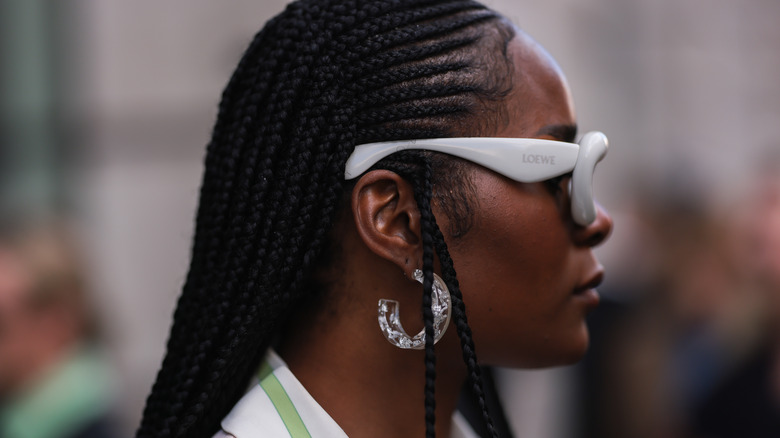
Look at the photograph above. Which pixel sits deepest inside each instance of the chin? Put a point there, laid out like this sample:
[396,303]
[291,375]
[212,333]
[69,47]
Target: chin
[576,350]
[574,356]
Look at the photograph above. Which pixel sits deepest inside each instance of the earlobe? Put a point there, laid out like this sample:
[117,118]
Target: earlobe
[387,218]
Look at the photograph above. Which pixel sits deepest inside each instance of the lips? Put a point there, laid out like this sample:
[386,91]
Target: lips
[593,281]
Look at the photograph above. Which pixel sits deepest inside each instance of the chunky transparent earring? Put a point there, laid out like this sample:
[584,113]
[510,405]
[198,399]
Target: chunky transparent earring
[390,322]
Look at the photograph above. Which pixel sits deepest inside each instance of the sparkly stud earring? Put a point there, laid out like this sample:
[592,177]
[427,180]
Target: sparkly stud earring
[390,322]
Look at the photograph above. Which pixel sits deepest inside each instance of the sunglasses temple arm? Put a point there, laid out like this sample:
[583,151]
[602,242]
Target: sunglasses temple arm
[525,160]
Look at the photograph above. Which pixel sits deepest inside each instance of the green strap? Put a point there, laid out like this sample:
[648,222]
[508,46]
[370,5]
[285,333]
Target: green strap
[265,370]
[284,406]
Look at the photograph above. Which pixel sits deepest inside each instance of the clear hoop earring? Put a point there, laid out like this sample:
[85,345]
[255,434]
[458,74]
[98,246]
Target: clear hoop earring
[390,322]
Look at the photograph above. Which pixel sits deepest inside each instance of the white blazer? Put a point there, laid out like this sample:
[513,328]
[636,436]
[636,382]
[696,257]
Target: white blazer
[277,405]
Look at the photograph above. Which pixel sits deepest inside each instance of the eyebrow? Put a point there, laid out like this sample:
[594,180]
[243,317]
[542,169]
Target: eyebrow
[565,133]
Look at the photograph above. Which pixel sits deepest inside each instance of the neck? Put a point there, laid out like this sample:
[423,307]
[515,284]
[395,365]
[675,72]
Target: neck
[369,387]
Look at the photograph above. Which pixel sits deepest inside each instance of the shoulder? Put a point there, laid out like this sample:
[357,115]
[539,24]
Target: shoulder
[277,405]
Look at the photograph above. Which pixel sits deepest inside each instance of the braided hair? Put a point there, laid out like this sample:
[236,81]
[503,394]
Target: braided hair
[318,79]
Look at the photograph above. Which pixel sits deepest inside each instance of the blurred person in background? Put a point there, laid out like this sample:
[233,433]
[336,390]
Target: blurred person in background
[53,381]
[745,402]
[629,377]
[692,344]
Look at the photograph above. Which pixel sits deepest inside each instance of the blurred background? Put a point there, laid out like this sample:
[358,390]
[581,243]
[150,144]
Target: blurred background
[106,108]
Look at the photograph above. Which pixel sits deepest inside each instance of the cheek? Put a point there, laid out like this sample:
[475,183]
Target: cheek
[513,267]
[518,237]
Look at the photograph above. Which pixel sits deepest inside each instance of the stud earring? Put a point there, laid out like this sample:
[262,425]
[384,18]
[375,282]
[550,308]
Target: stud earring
[390,321]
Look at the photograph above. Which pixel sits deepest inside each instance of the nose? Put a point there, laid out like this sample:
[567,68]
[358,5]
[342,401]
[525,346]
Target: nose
[596,232]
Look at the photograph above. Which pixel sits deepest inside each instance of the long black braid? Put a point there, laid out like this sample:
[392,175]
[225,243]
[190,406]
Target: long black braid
[321,77]
[423,177]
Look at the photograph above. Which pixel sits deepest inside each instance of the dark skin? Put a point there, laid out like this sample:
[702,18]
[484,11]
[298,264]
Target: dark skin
[526,272]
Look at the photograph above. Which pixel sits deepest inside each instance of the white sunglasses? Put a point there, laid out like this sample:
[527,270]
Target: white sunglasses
[521,159]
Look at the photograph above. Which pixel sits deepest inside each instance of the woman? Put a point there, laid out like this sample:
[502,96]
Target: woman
[296,249]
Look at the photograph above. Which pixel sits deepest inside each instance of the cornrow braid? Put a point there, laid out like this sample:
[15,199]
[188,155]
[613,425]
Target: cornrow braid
[319,78]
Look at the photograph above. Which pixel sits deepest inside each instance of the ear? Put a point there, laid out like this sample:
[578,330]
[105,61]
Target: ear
[387,218]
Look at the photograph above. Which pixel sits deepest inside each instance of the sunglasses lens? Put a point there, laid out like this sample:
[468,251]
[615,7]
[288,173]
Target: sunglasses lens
[593,148]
